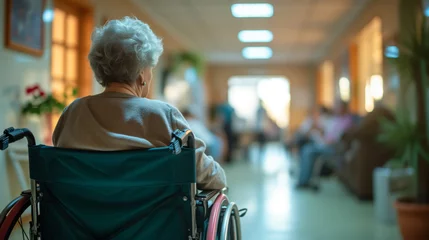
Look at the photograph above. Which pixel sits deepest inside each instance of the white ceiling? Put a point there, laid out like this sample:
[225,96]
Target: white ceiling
[302,29]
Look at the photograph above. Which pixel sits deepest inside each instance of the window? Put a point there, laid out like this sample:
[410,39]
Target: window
[64,58]
[65,51]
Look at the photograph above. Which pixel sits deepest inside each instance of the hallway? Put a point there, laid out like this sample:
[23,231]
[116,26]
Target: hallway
[278,212]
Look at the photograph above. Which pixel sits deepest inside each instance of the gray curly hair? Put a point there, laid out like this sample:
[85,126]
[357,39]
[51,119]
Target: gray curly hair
[121,49]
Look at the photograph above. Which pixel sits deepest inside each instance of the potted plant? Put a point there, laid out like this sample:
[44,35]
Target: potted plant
[40,107]
[178,60]
[413,66]
[396,179]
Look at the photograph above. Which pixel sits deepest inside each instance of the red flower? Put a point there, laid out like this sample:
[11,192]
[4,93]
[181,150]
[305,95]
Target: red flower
[41,93]
[31,89]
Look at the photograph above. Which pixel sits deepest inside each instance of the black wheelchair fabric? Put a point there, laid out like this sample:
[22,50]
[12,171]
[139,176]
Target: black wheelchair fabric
[139,194]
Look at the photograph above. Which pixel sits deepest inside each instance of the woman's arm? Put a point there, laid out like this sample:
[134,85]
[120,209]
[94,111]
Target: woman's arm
[210,174]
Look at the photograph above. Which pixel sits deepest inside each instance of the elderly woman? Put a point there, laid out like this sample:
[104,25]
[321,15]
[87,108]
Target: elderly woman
[122,57]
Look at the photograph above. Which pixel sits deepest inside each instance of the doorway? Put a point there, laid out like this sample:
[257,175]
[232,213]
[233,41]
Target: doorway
[246,92]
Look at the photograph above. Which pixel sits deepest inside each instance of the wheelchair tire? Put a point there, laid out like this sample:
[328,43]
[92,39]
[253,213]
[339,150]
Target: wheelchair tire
[230,223]
[12,213]
[215,218]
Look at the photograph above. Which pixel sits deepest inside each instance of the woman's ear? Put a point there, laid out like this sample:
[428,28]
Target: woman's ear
[141,78]
[147,75]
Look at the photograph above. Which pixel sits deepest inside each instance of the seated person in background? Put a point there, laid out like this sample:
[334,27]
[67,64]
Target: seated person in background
[122,56]
[214,143]
[316,123]
[324,145]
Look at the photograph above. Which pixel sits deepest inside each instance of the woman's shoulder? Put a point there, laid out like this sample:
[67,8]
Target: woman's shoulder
[149,106]
[156,105]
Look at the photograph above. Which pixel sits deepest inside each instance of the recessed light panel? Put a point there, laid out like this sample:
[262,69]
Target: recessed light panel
[257,52]
[255,36]
[252,10]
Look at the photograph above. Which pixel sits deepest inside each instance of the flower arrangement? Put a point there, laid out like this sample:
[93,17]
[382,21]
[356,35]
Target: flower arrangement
[42,103]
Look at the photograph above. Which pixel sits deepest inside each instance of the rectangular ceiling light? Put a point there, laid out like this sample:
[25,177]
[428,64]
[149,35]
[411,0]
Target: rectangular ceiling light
[257,52]
[255,36]
[252,10]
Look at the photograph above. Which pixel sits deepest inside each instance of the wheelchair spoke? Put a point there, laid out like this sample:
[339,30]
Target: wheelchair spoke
[24,234]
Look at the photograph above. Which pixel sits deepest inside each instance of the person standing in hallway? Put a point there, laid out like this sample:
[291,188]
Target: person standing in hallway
[325,144]
[261,136]
[227,114]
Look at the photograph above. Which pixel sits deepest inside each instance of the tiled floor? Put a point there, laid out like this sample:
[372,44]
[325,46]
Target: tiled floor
[276,211]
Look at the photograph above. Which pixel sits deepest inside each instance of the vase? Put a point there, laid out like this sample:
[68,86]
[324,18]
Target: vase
[389,185]
[40,126]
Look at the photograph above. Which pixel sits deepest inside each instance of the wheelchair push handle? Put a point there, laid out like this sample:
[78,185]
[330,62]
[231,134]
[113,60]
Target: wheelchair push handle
[11,135]
[178,140]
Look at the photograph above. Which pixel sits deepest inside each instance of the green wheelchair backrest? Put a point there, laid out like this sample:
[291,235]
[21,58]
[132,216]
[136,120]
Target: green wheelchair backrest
[138,194]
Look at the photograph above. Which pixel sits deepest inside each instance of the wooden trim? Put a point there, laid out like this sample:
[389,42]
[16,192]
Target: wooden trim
[319,86]
[16,46]
[354,77]
[85,78]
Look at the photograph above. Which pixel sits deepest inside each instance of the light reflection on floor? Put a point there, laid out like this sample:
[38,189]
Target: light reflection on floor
[278,212]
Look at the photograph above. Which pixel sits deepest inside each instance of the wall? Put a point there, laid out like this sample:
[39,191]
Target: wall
[301,78]
[19,70]
[387,12]
[326,84]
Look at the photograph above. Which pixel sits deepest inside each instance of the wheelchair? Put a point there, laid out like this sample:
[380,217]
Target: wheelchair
[133,194]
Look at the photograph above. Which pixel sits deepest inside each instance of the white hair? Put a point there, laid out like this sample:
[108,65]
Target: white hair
[121,49]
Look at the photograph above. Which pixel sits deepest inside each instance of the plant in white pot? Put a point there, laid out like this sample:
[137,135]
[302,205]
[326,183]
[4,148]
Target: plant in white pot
[396,179]
[409,134]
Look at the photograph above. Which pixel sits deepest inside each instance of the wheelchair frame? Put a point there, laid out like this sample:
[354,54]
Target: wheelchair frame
[200,203]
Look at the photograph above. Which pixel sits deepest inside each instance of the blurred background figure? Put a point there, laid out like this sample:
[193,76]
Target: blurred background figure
[227,117]
[214,143]
[315,124]
[323,144]
[262,122]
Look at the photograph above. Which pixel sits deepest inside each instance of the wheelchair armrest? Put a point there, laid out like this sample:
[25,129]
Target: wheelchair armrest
[204,201]
[207,195]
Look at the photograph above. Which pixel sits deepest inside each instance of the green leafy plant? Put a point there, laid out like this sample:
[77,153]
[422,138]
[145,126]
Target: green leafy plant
[192,59]
[42,103]
[404,137]
[413,66]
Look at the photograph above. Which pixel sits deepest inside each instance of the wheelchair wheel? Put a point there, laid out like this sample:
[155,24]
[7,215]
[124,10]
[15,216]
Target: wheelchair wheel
[224,222]
[229,224]
[12,215]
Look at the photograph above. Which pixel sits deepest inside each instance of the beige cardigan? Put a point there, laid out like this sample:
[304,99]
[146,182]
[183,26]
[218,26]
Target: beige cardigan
[116,121]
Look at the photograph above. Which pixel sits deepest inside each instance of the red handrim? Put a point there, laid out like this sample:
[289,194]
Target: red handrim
[14,215]
[214,216]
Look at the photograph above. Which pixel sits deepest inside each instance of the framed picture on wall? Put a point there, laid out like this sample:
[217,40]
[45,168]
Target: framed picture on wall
[24,30]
